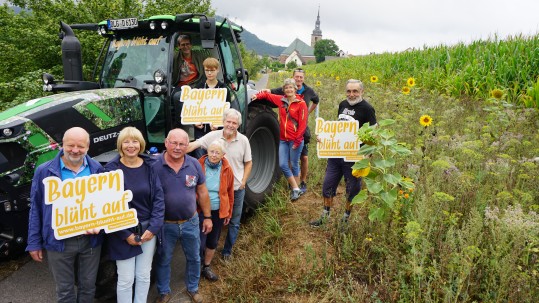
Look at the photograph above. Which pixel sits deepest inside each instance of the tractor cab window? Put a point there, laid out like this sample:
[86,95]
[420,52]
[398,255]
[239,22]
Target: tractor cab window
[132,60]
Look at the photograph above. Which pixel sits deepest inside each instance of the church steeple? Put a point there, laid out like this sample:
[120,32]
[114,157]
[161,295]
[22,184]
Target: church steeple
[317,32]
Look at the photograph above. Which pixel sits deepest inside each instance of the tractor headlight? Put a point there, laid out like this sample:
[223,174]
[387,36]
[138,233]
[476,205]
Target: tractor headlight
[150,88]
[7,132]
[158,89]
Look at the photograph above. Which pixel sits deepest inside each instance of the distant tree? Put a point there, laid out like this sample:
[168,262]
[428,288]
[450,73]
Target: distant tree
[291,65]
[323,48]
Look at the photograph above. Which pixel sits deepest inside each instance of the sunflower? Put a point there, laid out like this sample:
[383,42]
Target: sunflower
[425,120]
[318,83]
[497,93]
[406,90]
[374,79]
[358,173]
[410,82]
[338,78]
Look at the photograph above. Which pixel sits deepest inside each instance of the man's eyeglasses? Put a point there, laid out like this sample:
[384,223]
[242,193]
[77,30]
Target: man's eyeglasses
[355,91]
[178,144]
[184,44]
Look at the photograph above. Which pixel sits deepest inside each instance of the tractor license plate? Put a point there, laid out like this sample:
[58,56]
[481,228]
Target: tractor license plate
[122,23]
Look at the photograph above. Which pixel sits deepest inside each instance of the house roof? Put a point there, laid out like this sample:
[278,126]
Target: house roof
[301,47]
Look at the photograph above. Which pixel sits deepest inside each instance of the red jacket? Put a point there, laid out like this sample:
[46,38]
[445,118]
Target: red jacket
[226,188]
[292,117]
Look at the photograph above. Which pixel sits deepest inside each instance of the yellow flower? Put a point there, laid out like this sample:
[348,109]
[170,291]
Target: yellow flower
[314,75]
[318,83]
[337,78]
[410,82]
[331,75]
[406,90]
[358,173]
[406,196]
[374,79]
[497,93]
[368,239]
[425,120]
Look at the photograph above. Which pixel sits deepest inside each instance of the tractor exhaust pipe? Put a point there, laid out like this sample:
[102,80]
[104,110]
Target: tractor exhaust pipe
[71,54]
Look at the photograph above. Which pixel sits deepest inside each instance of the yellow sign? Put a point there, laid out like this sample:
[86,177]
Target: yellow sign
[338,139]
[95,201]
[203,105]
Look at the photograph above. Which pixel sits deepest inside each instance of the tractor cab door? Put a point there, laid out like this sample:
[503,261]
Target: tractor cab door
[234,74]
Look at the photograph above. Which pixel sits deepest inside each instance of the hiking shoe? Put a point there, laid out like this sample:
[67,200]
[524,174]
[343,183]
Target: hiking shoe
[195,296]
[209,274]
[321,221]
[163,298]
[295,194]
[303,187]
[345,218]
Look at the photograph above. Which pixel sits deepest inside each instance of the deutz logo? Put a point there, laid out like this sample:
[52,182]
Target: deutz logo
[106,137]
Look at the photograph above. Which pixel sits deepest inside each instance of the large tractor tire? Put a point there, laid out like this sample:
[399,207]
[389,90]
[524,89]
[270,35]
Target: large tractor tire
[263,132]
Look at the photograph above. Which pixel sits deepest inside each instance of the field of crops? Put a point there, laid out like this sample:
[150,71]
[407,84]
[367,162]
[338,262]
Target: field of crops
[458,221]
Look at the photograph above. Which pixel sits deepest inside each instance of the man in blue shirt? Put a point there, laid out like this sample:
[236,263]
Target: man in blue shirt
[182,179]
[71,162]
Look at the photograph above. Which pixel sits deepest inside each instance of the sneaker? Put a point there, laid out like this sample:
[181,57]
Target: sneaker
[209,274]
[303,187]
[321,221]
[295,194]
[195,296]
[163,298]
[345,218]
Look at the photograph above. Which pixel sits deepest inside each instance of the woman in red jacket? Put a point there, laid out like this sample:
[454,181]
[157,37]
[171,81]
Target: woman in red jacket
[220,183]
[293,116]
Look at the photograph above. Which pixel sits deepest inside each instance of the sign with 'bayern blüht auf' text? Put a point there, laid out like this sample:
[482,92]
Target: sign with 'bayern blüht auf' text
[97,201]
[338,139]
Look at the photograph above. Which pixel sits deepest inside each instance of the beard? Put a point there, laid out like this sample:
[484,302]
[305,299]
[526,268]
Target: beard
[355,101]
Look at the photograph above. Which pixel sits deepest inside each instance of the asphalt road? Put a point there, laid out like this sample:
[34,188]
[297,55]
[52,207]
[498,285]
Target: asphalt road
[33,283]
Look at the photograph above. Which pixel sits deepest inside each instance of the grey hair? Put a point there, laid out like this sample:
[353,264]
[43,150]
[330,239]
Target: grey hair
[290,81]
[220,144]
[183,37]
[232,112]
[355,81]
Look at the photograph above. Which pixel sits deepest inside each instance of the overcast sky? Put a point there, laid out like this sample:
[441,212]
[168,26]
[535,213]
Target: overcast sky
[362,27]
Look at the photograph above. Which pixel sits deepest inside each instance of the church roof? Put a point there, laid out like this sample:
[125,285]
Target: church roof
[301,47]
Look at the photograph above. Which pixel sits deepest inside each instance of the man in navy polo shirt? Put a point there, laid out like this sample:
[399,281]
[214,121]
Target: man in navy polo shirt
[182,179]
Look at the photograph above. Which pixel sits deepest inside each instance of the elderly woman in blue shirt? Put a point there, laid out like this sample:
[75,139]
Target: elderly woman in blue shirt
[133,248]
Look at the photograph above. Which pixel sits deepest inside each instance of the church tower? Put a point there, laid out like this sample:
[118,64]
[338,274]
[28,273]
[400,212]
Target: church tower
[317,32]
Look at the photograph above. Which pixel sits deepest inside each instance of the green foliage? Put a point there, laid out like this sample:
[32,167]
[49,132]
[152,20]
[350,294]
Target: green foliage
[383,182]
[323,48]
[291,65]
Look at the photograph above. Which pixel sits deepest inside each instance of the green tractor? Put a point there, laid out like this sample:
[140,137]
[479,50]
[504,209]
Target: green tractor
[133,88]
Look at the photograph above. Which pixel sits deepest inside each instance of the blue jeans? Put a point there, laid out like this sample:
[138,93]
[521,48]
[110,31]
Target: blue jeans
[234,225]
[139,266]
[189,235]
[289,158]
[62,266]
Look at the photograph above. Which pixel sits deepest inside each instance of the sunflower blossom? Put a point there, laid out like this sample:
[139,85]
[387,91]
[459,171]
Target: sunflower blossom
[374,79]
[425,120]
[410,82]
[406,90]
[338,78]
[497,93]
[358,173]
[318,83]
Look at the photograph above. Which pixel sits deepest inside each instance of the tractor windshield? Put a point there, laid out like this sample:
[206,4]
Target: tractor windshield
[132,60]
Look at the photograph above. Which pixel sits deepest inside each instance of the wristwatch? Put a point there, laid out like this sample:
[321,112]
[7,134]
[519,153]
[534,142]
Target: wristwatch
[207,217]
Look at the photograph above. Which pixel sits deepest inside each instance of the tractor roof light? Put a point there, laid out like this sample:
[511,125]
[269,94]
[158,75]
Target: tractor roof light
[164,25]
[152,25]
[158,89]
[47,78]
[150,88]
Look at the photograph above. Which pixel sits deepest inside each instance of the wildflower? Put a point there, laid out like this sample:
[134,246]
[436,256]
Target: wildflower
[401,192]
[318,83]
[374,79]
[406,196]
[410,82]
[497,93]
[411,189]
[337,78]
[425,120]
[314,75]
[368,239]
[332,75]
[358,173]
[406,90]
